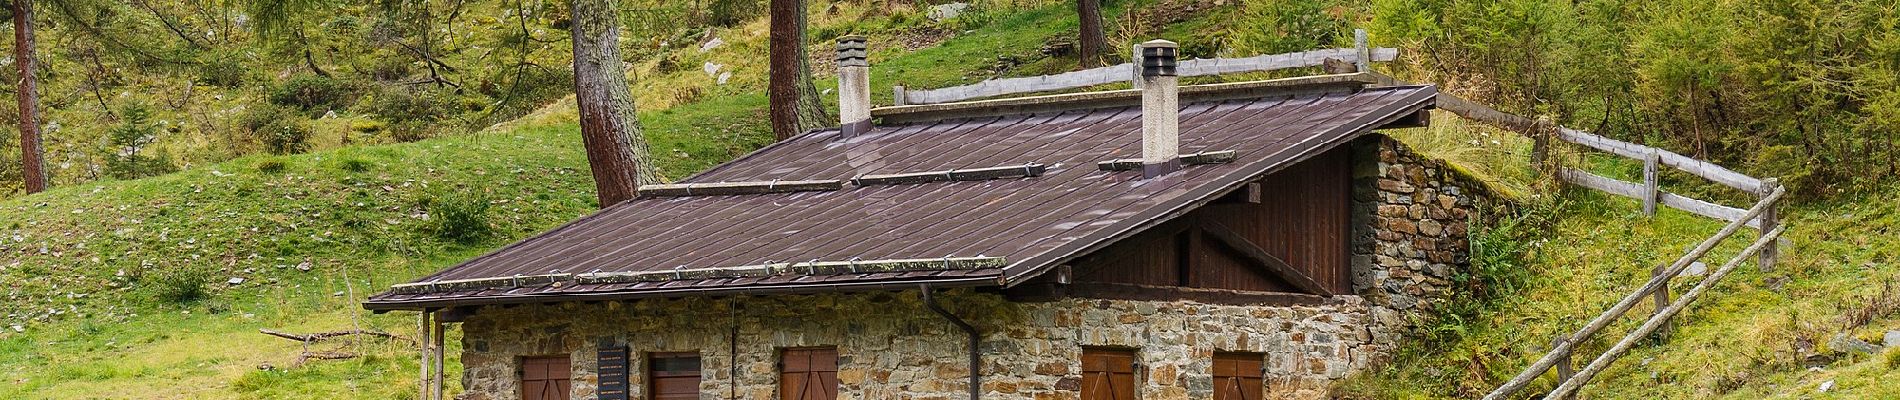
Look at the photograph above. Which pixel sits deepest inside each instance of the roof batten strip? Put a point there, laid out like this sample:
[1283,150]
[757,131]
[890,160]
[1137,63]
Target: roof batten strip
[1201,158]
[733,188]
[978,174]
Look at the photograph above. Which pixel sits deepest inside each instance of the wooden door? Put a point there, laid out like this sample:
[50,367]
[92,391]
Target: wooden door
[1108,374]
[1239,376]
[545,378]
[808,374]
[673,376]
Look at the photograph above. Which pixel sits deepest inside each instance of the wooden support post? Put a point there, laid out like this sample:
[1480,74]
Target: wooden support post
[897,95]
[1770,219]
[1652,165]
[422,332]
[1360,43]
[1565,368]
[1662,300]
[1540,145]
[435,383]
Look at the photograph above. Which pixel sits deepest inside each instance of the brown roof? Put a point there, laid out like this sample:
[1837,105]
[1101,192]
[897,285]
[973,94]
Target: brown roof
[1031,223]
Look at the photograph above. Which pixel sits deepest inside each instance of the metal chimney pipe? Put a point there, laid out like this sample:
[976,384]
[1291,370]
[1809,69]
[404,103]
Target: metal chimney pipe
[1160,109]
[854,86]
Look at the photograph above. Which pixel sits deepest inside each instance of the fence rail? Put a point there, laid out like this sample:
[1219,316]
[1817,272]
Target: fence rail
[1125,73]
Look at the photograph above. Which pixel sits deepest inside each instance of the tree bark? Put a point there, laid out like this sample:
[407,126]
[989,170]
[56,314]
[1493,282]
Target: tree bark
[33,171]
[795,105]
[1093,41]
[616,152]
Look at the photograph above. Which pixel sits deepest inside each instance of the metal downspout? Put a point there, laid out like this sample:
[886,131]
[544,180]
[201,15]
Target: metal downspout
[976,358]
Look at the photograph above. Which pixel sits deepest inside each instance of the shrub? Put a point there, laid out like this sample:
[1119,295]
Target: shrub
[312,92]
[1500,251]
[129,140]
[354,164]
[223,71]
[179,286]
[277,129]
[462,218]
[410,115]
[271,166]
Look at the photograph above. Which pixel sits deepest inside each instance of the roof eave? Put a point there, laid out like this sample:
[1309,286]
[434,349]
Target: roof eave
[788,288]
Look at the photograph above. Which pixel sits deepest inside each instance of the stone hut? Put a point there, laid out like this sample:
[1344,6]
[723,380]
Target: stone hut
[1231,241]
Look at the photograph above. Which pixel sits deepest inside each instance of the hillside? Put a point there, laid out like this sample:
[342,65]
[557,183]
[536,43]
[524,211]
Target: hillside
[125,288]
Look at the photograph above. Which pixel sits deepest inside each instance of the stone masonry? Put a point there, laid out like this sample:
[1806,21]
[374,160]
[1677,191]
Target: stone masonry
[1410,220]
[1411,215]
[891,347]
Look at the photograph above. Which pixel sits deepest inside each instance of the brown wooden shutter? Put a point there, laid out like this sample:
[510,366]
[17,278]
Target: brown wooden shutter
[545,378]
[1239,376]
[673,376]
[808,374]
[612,370]
[1108,374]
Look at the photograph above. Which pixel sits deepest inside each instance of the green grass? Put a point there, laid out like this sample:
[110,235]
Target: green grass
[1755,335]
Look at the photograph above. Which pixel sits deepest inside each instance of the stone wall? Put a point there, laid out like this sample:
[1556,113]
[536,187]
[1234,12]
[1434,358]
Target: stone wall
[1410,219]
[891,347]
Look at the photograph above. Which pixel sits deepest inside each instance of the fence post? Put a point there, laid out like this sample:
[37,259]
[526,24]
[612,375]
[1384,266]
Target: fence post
[1565,368]
[897,95]
[1770,219]
[1134,71]
[1360,43]
[1662,301]
[1540,145]
[1651,167]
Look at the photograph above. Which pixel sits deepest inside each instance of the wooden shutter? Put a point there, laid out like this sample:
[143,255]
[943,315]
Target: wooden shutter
[612,369]
[1239,376]
[545,378]
[808,374]
[1108,374]
[673,376]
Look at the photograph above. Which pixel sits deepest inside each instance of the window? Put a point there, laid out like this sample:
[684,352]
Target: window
[1238,376]
[673,376]
[545,378]
[808,374]
[1108,374]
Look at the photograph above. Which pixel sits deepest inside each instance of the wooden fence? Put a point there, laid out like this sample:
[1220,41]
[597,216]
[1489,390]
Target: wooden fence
[1125,73]
[1649,191]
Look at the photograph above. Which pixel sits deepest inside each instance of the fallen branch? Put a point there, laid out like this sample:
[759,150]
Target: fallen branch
[321,336]
[321,355]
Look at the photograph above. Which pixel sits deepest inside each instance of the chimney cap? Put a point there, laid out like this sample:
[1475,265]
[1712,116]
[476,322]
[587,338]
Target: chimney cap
[1158,58]
[851,51]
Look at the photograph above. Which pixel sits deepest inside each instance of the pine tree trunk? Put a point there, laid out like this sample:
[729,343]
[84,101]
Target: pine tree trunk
[1093,41]
[616,152]
[33,172]
[811,113]
[795,104]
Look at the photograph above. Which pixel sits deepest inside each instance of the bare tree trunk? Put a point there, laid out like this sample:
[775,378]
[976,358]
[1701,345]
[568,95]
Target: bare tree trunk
[795,104]
[811,107]
[33,173]
[616,152]
[1093,41]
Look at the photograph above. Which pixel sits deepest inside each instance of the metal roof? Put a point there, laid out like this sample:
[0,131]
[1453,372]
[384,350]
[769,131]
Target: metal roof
[1030,223]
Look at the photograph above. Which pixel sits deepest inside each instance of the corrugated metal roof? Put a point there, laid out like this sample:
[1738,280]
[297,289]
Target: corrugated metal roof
[1032,223]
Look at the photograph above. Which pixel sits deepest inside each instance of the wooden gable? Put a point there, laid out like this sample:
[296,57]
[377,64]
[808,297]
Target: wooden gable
[1288,232]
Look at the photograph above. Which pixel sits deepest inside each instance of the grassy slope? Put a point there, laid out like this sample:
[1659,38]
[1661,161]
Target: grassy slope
[1744,339]
[88,330]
